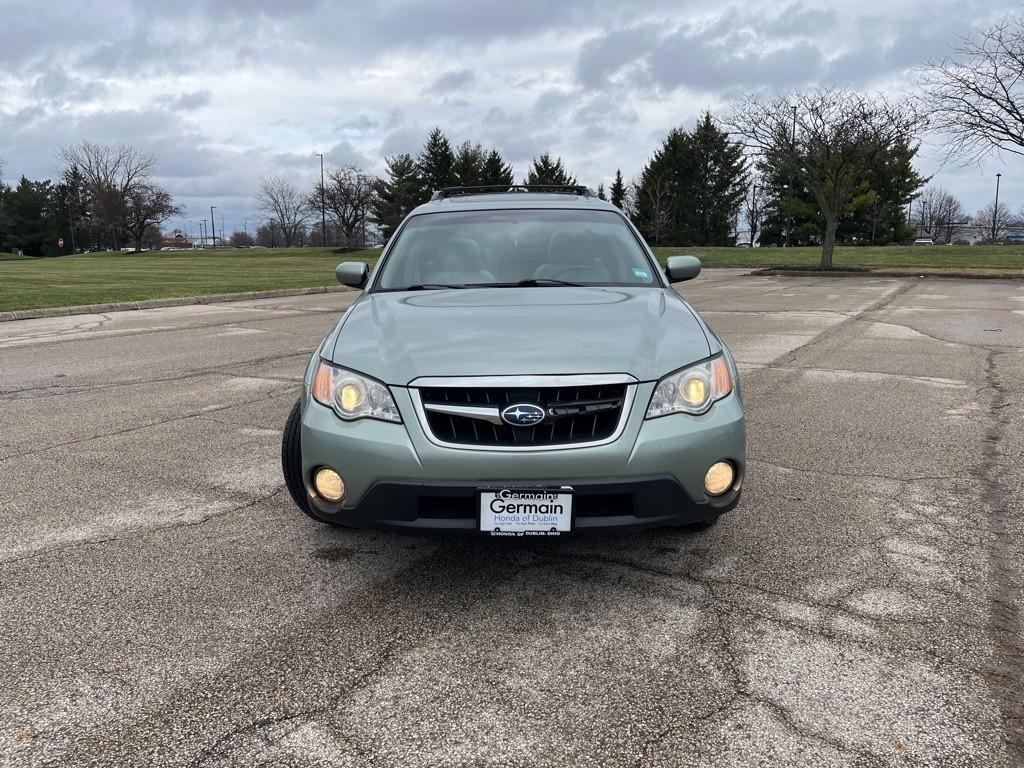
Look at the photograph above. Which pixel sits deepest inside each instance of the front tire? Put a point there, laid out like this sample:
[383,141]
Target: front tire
[291,459]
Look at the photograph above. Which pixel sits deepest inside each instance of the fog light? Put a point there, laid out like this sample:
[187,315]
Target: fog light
[329,484]
[719,478]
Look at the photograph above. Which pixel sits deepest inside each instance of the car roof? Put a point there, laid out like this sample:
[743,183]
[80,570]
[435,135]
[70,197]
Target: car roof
[513,200]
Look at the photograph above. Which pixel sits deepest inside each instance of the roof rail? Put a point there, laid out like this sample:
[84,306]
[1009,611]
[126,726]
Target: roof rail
[497,189]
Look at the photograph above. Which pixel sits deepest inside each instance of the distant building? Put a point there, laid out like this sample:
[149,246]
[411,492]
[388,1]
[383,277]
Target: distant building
[973,231]
[177,240]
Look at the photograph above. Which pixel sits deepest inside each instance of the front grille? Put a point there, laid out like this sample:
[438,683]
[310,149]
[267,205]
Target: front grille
[573,414]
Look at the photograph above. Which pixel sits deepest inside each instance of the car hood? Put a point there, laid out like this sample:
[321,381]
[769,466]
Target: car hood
[398,337]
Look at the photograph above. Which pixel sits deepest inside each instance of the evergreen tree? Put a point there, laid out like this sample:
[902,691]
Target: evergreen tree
[545,170]
[29,213]
[71,205]
[436,162]
[496,170]
[875,214]
[879,212]
[691,189]
[600,192]
[659,186]
[397,194]
[618,190]
[719,186]
[468,167]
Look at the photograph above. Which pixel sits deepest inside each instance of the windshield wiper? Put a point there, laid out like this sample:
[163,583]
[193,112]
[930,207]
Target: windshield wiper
[530,282]
[425,287]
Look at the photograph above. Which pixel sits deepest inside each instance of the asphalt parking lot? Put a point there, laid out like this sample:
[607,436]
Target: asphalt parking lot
[163,603]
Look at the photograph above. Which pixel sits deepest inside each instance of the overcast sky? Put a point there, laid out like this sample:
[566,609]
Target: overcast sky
[226,91]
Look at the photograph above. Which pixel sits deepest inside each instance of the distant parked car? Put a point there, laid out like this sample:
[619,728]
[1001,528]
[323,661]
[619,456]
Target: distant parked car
[1013,239]
[924,241]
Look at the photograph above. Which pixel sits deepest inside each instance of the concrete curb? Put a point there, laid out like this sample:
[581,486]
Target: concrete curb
[122,306]
[900,272]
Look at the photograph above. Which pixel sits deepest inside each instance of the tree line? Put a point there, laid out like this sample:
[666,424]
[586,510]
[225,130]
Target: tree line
[820,167]
[105,197]
[843,171]
[351,201]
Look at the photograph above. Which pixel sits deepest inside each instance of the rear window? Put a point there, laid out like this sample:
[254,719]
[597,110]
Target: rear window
[506,247]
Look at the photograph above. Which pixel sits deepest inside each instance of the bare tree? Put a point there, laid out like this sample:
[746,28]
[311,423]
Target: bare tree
[348,196]
[992,223]
[242,239]
[753,209]
[148,206]
[976,96]
[285,206]
[938,213]
[653,202]
[827,145]
[267,235]
[111,174]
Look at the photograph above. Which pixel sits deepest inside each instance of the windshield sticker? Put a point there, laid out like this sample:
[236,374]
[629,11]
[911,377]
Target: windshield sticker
[643,274]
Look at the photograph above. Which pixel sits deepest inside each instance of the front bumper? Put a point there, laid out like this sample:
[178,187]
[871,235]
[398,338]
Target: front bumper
[395,477]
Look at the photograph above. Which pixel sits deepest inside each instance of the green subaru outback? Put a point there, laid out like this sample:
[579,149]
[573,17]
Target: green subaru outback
[518,365]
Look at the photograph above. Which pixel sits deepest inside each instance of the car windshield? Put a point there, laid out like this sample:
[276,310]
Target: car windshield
[503,248]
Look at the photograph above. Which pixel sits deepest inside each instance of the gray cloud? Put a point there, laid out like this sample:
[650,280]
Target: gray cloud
[456,80]
[797,20]
[358,124]
[603,56]
[694,62]
[598,82]
[406,139]
[186,102]
[55,85]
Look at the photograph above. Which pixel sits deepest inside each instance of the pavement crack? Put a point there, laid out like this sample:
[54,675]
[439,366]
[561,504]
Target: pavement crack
[855,475]
[65,335]
[228,369]
[876,321]
[131,532]
[264,730]
[1004,671]
[270,394]
[786,718]
[835,332]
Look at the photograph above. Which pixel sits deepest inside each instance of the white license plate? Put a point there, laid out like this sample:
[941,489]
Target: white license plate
[526,511]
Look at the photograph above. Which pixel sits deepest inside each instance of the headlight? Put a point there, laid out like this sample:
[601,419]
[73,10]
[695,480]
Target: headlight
[353,396]
[691,390]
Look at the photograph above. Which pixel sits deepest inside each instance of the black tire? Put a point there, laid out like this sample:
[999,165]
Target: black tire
[291,459]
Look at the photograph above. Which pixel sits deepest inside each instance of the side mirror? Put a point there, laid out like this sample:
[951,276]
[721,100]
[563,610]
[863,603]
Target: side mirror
[679,268]
[354,273]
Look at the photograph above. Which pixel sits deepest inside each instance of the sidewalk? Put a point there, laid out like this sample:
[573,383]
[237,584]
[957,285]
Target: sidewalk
[959,272]
[119,306]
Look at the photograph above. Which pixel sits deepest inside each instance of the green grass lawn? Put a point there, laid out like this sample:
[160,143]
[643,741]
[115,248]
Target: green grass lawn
[94,278]
[939,256]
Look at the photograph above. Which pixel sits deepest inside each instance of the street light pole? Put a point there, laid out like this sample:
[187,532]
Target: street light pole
[323,209]
[789,206]
[71,221]
[995,209]
[751,225]
[213,227]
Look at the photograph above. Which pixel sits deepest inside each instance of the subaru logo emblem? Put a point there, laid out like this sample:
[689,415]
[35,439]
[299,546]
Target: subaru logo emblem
[522,415]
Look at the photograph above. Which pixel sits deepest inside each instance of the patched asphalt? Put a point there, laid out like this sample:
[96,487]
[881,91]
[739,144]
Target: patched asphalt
[163,603]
